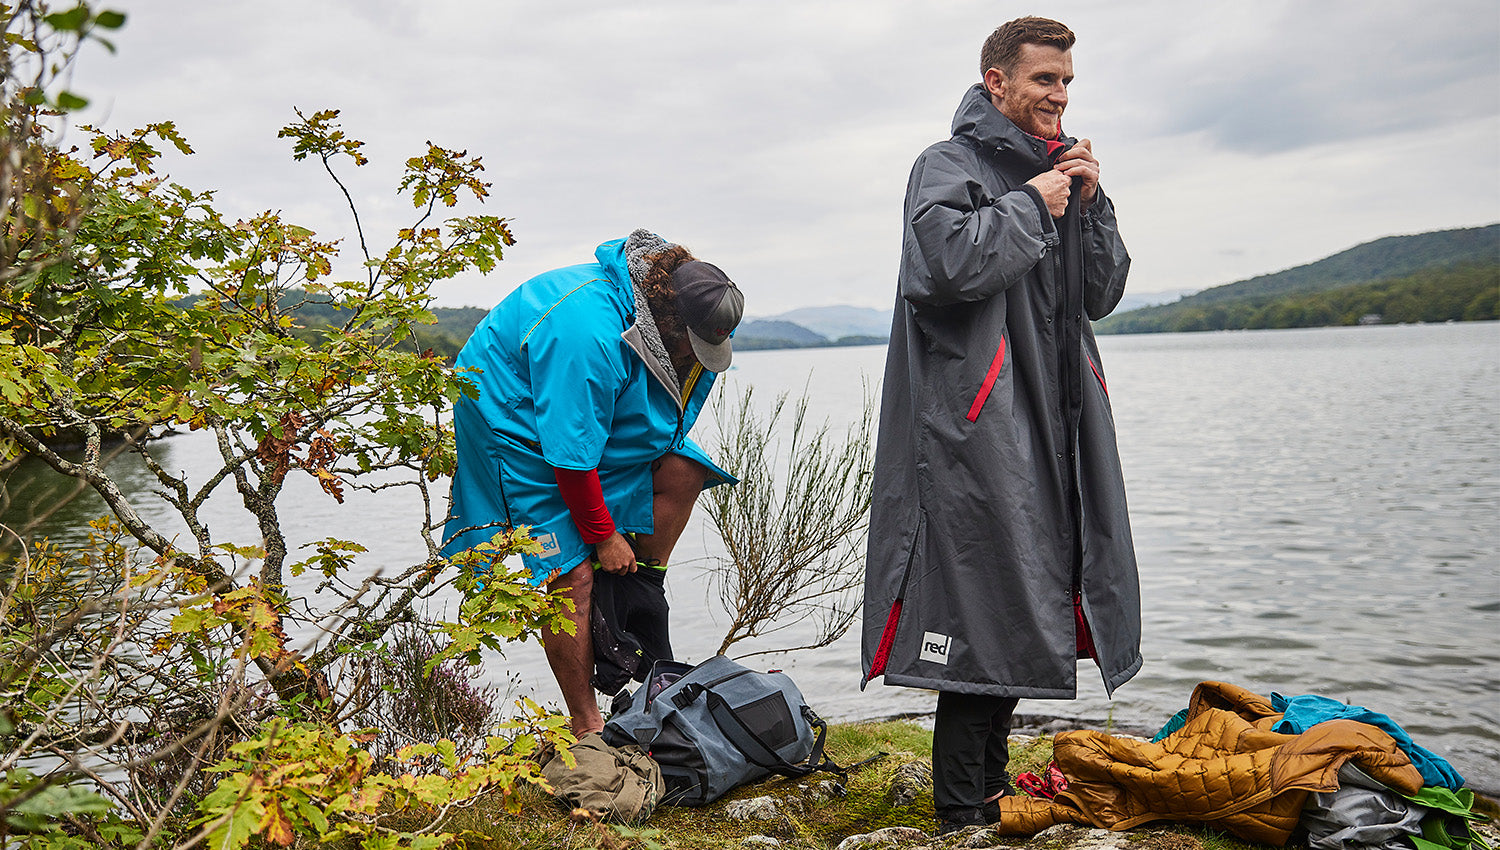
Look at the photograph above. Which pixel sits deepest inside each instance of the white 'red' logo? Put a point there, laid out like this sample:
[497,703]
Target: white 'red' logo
[549,544]
[935,647]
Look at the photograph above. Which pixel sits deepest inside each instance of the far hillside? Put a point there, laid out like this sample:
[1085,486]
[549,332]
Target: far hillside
[763,334]
[1449,275]
[840,320]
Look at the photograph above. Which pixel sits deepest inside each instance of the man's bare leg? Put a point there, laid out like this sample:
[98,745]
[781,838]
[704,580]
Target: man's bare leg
[675,485]
[572,656]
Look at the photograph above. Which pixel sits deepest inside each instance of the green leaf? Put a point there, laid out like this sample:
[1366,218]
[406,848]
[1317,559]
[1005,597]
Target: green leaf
[69,100]
[313,815]
[191,620]
[234,834]
[69,21]
[64,798]
[110,20]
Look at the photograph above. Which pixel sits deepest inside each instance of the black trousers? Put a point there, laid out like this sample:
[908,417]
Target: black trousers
[969,751]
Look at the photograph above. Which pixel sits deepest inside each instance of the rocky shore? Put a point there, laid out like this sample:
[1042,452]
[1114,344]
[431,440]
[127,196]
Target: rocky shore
[884,805]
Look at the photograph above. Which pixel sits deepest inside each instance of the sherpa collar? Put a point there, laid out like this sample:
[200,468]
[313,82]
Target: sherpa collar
[639,247]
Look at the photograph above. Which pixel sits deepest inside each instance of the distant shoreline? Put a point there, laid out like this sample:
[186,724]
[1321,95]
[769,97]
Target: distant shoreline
[763,344]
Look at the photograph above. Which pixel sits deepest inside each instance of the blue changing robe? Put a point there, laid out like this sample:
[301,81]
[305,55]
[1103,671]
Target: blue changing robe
[1301,713]
[565,381]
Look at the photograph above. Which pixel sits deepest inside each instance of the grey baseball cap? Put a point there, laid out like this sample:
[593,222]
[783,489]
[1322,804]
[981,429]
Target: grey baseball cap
[711,306]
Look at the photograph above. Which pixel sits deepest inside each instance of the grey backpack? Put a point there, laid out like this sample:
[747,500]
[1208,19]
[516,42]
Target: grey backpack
[718,725]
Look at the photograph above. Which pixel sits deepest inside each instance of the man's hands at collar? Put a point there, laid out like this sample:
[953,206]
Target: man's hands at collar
[1053,187]
[1079,161]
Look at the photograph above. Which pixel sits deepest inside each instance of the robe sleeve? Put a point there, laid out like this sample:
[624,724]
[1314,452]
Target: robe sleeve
[962,244]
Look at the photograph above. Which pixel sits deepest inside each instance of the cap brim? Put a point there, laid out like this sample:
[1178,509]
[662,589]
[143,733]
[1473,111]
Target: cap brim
[714,357]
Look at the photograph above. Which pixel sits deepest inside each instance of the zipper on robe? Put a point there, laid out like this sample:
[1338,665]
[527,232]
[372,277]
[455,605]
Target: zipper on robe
[1097,374]
[989,381]
[893,619]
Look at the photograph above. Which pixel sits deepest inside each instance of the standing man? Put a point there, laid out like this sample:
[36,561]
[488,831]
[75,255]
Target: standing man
[590,378]
[1000,549]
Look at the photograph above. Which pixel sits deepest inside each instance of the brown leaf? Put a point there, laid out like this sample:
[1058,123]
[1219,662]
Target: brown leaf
[275,826]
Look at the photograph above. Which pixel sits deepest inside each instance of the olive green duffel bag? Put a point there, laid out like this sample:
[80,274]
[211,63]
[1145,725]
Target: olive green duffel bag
[617,783]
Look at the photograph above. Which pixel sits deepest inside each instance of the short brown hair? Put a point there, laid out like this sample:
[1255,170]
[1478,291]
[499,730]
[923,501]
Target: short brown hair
[1003,47]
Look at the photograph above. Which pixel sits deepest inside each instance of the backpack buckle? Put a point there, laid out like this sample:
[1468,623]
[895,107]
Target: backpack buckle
[685,697]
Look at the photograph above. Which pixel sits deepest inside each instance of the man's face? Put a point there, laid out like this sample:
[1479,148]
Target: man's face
[1035,93]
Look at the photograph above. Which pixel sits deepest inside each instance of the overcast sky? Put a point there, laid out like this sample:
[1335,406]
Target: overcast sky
[774,137]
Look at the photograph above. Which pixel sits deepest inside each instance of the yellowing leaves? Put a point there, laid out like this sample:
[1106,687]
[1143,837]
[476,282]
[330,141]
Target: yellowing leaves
[250,614]
[275,827]
[116,148]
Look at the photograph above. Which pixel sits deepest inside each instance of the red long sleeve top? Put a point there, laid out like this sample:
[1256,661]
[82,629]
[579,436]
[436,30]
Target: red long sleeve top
[584,496]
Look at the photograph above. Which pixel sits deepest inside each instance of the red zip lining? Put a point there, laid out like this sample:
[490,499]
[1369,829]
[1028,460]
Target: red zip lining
[887,637]
[989,381]
[1083,636]
[1096,373]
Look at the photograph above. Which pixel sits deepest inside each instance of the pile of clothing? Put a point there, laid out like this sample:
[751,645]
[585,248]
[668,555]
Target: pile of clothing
[1260,769]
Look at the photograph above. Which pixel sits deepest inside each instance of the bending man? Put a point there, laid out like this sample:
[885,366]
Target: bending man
[590,378]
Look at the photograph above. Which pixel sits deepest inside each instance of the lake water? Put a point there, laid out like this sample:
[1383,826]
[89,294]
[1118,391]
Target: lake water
[1315,511]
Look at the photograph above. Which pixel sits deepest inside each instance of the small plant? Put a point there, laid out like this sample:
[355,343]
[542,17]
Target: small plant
[409,699]
[794,536]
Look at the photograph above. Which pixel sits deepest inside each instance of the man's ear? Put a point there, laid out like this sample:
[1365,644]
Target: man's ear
[994,82]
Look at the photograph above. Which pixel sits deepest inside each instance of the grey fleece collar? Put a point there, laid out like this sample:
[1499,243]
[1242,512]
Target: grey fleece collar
[638,247]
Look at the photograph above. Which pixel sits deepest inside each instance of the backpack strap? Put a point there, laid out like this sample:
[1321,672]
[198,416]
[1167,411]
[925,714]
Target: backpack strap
[817,759]
[756,750]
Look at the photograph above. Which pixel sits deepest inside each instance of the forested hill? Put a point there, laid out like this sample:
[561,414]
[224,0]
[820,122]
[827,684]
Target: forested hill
[1439,276]
[1450,275]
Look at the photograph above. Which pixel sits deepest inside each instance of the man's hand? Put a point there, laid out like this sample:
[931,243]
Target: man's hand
[1054,187]
[615,555]
[1078,161]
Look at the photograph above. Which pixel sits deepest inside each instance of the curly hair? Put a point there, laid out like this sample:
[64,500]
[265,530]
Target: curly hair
[661,297]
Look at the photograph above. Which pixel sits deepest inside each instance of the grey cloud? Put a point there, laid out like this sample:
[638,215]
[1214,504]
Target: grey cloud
[772,134]
[1314,73]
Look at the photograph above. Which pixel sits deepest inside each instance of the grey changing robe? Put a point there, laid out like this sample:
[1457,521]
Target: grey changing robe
[998,492]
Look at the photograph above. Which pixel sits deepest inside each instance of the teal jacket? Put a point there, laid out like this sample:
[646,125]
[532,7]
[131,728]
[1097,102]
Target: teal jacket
[565,381]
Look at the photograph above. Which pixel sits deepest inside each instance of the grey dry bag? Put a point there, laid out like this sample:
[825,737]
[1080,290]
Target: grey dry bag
[718,725]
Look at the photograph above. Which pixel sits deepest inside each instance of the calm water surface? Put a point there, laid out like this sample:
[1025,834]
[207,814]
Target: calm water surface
[1315,511]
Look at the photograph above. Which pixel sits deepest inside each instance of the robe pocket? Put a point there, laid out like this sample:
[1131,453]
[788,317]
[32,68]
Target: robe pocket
[987,385]
[1098,375]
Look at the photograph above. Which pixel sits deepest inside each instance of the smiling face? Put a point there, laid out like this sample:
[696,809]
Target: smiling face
[1034,93]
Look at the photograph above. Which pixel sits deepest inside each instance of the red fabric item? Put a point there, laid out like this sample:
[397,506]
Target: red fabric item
[1083,638]
[887,637]
[584,496]
[1053,145]
[1049,784]
[989,382]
